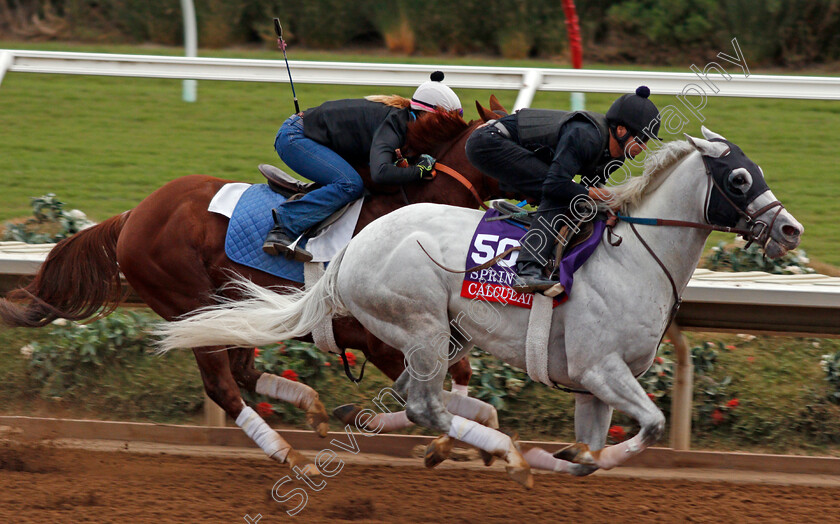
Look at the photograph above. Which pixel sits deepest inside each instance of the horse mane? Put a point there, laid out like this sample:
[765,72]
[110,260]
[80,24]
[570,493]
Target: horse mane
[390,100]
[630,193]
[431,130]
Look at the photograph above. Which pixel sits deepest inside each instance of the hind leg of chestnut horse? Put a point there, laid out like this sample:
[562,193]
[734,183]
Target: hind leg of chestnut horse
[174,282]
[215,367]
[298,394]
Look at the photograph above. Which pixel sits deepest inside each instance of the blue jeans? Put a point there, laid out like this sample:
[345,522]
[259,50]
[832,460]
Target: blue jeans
[341,183]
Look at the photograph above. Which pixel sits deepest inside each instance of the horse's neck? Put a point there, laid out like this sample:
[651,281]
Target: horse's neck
[445,189]
[680,196]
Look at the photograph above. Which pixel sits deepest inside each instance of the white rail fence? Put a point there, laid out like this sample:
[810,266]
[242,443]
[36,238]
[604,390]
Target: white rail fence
[733,302]
[527,81]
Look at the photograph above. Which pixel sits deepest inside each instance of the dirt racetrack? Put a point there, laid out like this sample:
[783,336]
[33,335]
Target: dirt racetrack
[59,484]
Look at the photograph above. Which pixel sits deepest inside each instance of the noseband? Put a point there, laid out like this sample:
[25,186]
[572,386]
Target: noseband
[758,230]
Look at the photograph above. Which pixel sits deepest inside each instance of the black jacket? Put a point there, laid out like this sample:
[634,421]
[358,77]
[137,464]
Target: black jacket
[574,143]
[363,132]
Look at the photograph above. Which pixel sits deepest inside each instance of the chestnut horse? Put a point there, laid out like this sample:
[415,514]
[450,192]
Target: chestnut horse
[170,249]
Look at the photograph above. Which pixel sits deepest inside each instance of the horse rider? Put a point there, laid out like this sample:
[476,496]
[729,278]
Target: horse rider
[537,152]
[325,142]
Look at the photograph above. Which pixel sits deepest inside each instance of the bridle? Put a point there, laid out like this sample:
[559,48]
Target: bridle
[757,230]
[442,168]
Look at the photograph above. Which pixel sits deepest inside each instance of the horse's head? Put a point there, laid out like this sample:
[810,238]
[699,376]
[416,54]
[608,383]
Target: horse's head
[738,196]
[496,109]
[433,133]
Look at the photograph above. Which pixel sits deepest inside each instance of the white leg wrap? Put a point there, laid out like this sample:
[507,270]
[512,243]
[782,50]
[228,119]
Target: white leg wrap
[295,393]
[541,459]
[389,421]
[459,389]
[260,432]
[612,456]
[472,409]
[482,437]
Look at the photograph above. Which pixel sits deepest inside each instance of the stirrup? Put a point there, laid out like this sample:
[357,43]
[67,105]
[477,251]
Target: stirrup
[293,251]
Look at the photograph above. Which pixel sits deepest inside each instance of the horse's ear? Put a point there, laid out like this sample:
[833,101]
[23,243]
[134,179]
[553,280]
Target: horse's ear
[706,148]
[497,106]
[709,134]
[484,113]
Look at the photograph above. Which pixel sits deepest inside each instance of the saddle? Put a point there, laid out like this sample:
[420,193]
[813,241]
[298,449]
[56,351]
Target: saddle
[290,187]
[517,215]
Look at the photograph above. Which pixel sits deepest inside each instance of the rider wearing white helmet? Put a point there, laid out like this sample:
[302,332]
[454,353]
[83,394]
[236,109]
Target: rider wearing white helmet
[325,142]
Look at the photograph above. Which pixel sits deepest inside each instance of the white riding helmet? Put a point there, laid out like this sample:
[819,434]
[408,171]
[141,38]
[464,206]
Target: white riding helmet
[433,95]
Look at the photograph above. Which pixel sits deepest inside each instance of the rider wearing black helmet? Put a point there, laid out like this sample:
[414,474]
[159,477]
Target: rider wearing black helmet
[538,152]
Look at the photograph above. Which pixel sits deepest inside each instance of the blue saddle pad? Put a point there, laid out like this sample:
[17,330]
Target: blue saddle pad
[249,224]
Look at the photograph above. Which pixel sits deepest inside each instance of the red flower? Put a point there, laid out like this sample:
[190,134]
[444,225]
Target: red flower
[327,364]
[731,347]
[667,341]
[281,347]
[750,359]
[659,360]
[351,358]
[256,352]
[264,409]
[290,374]
[717,416]
[652,397]
[617,433]
[734,403]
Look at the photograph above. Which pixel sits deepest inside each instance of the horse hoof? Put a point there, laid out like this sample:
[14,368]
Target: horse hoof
[296,459]
[347,413]
[518,468]
[438,451]
[582,470]
[577,453]
[487,458]
[318,419]
[522,476]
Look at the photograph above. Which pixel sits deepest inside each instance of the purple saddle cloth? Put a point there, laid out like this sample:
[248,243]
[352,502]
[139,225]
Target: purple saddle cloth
[493,283]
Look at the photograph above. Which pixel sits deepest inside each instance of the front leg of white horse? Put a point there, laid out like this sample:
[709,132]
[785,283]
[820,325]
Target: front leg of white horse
[592,420]
[613,383]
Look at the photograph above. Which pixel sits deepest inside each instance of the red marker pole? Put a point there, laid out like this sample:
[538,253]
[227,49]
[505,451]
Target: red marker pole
[578,100]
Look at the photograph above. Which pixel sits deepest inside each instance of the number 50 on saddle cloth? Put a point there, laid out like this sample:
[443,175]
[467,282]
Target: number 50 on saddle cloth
[492,284]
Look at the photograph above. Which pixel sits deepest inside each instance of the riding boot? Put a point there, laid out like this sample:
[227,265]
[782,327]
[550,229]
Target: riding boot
[278,242]
[535,260]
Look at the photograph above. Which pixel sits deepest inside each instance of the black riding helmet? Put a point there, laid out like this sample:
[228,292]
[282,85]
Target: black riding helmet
[637,113]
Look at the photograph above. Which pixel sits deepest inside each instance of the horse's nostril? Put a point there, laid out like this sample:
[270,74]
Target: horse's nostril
[790,231]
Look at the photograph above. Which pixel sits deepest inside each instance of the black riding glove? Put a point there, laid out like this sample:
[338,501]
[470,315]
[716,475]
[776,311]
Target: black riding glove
[426,165]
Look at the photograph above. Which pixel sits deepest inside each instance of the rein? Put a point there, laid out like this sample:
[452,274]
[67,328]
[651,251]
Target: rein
[443,168]
[462,179]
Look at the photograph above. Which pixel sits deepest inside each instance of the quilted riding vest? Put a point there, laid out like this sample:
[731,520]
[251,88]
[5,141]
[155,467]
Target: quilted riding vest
[542,127]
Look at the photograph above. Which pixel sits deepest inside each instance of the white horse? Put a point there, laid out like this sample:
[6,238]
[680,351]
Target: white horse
[604,337]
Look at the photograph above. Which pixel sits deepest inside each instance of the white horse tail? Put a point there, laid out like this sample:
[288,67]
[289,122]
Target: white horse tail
[259,317]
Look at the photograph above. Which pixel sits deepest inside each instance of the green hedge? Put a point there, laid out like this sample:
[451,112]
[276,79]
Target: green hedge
[792,32]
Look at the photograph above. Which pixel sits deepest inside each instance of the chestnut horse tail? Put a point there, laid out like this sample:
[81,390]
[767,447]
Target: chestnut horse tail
[79,279]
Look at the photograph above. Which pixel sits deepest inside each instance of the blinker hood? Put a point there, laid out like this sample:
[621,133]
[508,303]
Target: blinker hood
[718,210]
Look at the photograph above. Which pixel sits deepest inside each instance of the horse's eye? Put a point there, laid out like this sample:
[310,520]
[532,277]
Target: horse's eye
[740,180]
